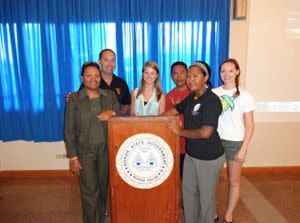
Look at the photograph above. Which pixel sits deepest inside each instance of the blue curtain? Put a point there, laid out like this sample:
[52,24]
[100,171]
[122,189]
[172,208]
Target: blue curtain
[43,44]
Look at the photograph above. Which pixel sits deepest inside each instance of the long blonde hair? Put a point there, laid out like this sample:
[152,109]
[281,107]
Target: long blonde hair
[157,84]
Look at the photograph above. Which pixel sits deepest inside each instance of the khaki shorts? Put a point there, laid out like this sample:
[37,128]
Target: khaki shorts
[231,148]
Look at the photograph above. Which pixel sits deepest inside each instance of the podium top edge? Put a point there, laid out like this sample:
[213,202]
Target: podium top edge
[139,118]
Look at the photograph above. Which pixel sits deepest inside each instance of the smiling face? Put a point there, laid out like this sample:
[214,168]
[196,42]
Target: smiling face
[107,62]
[149,75]
[179,75]
[229,73]
[91,78]
[196,79]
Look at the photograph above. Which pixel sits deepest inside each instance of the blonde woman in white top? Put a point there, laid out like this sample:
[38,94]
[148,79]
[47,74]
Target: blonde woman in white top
[149,98]
[238,106]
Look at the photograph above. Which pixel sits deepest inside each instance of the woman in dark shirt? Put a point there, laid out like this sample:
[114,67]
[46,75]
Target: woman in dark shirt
[86,140]
[205,154]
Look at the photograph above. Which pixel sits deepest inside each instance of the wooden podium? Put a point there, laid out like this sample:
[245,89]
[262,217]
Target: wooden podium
[144,176]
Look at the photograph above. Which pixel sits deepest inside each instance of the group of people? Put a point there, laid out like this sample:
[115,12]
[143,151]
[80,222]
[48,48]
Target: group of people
[215,125]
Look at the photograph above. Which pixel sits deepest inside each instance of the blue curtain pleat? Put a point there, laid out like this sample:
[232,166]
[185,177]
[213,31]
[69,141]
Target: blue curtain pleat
[43,44]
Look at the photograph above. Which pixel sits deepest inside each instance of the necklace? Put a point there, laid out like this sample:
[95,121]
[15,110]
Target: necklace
[201,93]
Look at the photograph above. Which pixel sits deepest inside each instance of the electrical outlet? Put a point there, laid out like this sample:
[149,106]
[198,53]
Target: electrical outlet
[61,156]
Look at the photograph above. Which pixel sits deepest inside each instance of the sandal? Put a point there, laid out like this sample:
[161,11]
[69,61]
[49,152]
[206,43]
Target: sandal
[216,218]
[224,221]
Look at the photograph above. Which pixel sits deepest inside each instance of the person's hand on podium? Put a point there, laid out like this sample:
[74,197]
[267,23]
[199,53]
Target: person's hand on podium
[175,125]
[105,115]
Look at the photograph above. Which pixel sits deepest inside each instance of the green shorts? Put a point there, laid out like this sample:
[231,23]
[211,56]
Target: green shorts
[231,148]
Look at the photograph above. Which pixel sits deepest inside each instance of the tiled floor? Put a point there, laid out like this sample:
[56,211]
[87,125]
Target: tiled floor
[265,198]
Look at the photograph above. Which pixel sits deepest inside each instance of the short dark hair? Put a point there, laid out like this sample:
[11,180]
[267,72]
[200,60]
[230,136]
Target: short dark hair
[89,64]
[178,63]
[209,84]
[105,50]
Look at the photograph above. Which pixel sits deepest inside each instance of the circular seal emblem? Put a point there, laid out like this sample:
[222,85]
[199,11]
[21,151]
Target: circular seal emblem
[144,161]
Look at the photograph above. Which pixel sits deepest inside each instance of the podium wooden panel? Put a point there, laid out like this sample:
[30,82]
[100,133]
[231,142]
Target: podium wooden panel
[134,205]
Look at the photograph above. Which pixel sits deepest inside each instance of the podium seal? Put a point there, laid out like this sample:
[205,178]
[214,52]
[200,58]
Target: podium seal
[144,161]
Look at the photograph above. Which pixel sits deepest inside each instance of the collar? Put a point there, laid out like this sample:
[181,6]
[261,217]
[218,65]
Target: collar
[82,93]
[207,91]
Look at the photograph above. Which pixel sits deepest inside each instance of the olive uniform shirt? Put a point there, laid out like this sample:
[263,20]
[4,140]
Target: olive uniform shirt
[81,125]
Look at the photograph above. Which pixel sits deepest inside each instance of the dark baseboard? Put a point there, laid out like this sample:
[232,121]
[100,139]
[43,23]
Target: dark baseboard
[36,173]
[271,170]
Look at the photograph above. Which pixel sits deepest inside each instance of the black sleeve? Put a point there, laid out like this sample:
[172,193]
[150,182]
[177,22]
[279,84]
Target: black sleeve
[125,99]
[182,105]
[211,111]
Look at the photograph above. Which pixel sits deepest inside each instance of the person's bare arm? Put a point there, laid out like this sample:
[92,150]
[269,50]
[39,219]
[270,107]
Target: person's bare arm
[241,154]
[170,112]
[124,109]
[162,104]
[204,132]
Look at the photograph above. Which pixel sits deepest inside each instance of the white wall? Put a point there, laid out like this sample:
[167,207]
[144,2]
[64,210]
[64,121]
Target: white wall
[267,45]
[23,155]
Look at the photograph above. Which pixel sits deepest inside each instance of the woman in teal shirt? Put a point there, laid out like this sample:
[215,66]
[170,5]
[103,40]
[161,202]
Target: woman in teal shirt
[148,99]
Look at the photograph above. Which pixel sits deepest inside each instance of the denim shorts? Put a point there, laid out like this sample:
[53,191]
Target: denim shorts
[231,148]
